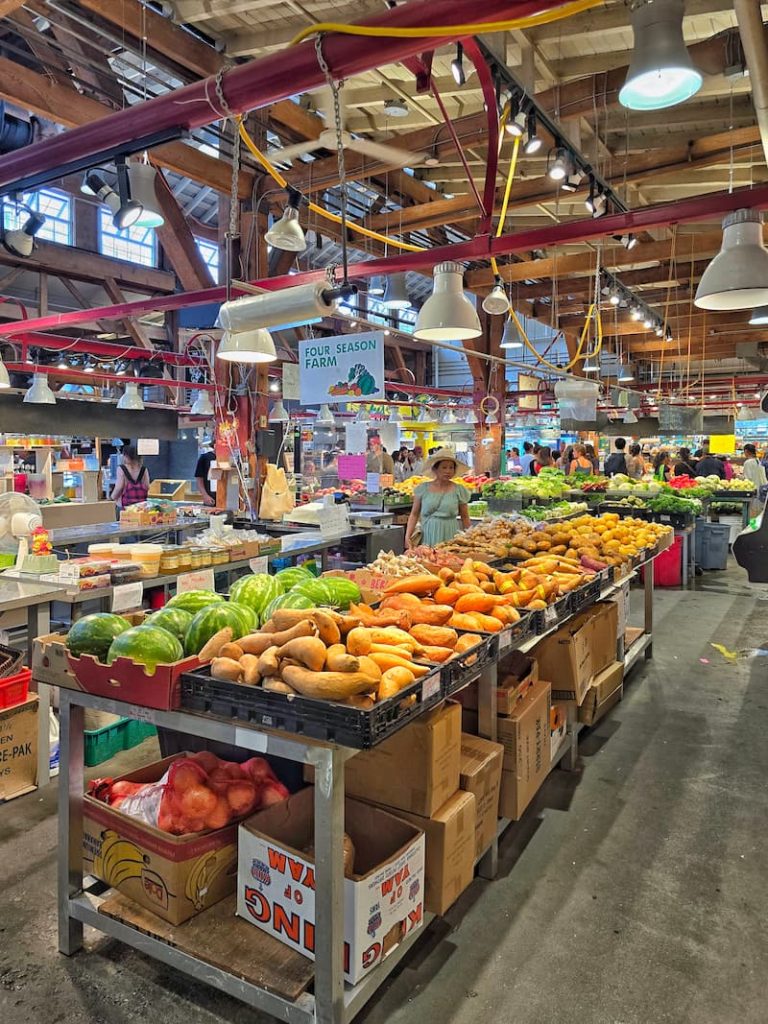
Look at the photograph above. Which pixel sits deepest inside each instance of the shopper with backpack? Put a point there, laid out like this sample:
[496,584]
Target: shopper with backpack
[617,460]
[132,479]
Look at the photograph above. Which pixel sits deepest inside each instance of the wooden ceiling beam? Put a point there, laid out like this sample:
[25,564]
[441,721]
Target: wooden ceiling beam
[50,258]
[68,107]
[179,243]
[9,6]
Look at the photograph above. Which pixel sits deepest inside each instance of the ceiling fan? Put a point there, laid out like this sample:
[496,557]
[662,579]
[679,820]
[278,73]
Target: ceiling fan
[382,152]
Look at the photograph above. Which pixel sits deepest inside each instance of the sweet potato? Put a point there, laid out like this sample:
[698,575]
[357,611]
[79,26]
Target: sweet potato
[432,614]
[327,685]
[327,629]
[337,660]
[369,667]
[363,701]
[435,636]
[401,602]
[476,603]
[269,663]
[278,686]
[250,666]
[307,650]
[257,643]
[447,595]
[392,635]
[385,661]
[214,645]
[465,642]
[226,668]
[420,585]
[359,641]
[437,654]
[231,650]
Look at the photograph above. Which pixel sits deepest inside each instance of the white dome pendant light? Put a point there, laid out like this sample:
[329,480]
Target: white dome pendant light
[737,278]
[448,315]
[661,73]
[131,399]
[39,393]
[142,180]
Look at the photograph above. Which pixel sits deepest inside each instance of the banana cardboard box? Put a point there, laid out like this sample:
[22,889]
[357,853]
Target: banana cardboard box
[175,877]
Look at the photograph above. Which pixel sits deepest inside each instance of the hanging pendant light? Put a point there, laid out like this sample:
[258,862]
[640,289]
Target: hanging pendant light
[247,347]
[491,419]
[278,413]
[131,399]
[471,417]
[661,73]
[5,380]
[496,302]
[396,293]
[447,315]
[629,416]
[394,414]
[448,418]
[287,233]
[202,405]
[325,417]
[363,416]
[39,393]
[424,416]
[142,178]
[591,365]
[737,278]
[511,336]
[625,372]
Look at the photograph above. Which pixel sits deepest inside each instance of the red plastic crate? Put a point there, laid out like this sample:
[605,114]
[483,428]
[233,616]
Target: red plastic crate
[14,689]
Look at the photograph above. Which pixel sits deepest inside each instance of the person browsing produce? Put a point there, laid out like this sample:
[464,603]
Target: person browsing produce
[635,462]
[580,464]
[661,467]
[438,503]
[617,460]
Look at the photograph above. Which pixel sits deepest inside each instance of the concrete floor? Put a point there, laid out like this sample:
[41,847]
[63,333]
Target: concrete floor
[633,893]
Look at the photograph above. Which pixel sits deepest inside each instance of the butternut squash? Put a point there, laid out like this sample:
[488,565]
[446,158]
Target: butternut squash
[327,685]
[269,663]
[308,650]
[249,663]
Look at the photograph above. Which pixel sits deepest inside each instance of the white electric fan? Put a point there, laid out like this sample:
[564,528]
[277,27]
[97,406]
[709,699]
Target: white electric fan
[19,516]
[380,151]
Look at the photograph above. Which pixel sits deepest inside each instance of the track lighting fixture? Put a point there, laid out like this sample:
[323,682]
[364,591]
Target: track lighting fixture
[287,233]
[533,142]
[572,181]
[635,313]
[659,330]
[496,302]
[648,322]
[668,336]
[560,164]
[141,178]
[516,119]
[21,241]
[125,211]
[599,204]
[614,294]
[589,202]
[457,66]
[661,73]
[629,241]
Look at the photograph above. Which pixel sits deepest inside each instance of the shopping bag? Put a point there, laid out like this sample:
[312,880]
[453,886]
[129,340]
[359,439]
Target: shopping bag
[276,498]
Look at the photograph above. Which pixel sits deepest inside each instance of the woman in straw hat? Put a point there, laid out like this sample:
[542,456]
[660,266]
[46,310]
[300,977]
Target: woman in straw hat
[438,503]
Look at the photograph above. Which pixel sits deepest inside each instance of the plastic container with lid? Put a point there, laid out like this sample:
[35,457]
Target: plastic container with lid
[220,556]
[169,560]
[197,557]
[100,550]
[148,556]
[185,558]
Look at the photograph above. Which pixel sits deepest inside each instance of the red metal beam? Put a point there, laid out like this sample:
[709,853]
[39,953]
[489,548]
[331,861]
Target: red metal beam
[259,83]
[98,375]
[684,211]
[475,54]
[61,343]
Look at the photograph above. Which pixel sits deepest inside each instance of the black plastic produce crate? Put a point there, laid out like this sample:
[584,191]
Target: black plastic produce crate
[586,594]
[625,511]
[545,618]
[467,666]
[305,716]
[678,520]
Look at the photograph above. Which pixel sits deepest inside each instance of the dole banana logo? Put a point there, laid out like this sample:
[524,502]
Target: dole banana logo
[117,859]
[203,874]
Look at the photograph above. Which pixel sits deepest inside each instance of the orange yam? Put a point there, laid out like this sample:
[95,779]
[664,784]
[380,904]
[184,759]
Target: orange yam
[447,595]
[420,585]
[476,602]
[434,636]
[431,615]
[438,654]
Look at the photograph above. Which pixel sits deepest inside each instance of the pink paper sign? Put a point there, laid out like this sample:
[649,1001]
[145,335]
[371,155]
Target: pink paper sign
[351,467]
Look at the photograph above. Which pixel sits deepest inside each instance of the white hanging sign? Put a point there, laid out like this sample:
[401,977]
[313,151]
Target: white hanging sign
[345,368]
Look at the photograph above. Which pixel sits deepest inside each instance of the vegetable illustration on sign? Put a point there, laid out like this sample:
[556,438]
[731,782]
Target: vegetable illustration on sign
[348,367]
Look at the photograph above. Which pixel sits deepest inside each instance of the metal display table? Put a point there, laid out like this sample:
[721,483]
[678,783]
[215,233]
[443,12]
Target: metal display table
[36,598]
[332,1002]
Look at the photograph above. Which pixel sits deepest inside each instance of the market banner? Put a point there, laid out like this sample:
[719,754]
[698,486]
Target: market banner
[345,368]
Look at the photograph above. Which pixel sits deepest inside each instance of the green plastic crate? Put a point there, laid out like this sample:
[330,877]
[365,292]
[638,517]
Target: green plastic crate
[136,732]
[102,744]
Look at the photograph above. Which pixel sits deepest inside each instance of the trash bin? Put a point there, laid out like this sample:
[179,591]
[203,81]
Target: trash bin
[715,539]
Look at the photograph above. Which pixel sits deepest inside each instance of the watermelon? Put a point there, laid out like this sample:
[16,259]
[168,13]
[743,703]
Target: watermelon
[93,634]
[147,645]
[288,578]
[290,600]
[175,620]
[255,591]
[210,620]
[316,590]
[342,590]
[193,600]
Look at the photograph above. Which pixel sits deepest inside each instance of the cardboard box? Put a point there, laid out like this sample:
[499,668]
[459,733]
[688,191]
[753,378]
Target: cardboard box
[525,736]
[605,690]
[175,877]
[415,770]
[558,726]
[481,762]
[122,680]
[450,855]
[578,651]
[621,600]
[517,672]
[383,899]
[18,749]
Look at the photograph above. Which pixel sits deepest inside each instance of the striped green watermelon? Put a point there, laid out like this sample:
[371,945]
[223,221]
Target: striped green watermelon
[175,620]
[316,590]
[255,591]
[193,600]
[210,620]
[93,634]
[147,645]
[342,590]
[288,578]
[290,600]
